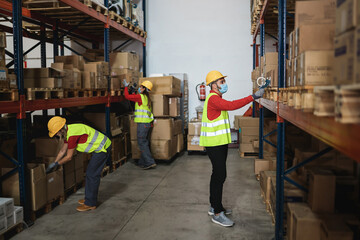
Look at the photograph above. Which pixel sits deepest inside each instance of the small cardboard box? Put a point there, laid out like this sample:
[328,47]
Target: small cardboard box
[314,12]
[8,205]
[35,73]
[18,214]
[193,143]
[47,147]
[265,183]
[306,224]
[38,183]
[174,107]
[347,15]
[194,128]
[177,126]
[76,60]
[55,184]
[160,105]
[333,227]
[241,121]
[98,121]
[88,80]
[271,58]
[161,149]
[124,60]
[180,142]
[169,86]
[247,148]
[163,129]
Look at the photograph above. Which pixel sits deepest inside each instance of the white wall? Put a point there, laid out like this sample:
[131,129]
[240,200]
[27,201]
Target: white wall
[195,37]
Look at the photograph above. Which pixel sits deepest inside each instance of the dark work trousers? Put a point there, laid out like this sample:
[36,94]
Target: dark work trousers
[143,134]
[93,175]
[217,155]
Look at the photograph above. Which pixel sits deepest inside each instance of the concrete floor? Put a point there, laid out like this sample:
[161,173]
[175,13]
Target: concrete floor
[170,202]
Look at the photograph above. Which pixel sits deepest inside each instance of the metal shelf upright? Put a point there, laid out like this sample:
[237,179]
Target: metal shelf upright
[57,26]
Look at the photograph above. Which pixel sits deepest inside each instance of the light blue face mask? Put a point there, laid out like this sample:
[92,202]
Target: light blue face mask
[139,90]
[224,88]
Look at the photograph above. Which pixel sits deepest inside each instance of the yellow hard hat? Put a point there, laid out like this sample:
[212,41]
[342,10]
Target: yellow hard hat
[148,85]
[213,76]
[55,124]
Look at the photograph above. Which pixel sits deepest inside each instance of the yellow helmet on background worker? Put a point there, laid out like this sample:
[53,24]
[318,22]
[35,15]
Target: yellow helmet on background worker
[148,85]
[55,124]
[213,76]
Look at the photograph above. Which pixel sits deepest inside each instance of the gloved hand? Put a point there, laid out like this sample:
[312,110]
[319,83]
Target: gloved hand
[267,82]
[125,83]
[51,167]
[258,94]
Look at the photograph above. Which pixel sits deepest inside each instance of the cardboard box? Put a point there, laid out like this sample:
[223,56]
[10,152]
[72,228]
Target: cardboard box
[266,164]
[169,86]
[72,79]
[47,147]
[69,179]
[177,126]
[115,83]
[248,139]
[120,72]
[316,68]
[101,82]
[173,146]
[98,121]
[161,149]
[271,58]
[265,183]
[2,40]
[99,68]
[4,79]
[10,186]
[124,60]
[3,225]
[160,105]
[249,131]
[194,128]
[291,45]
[191,147]
[333,227]
[294,72]
[272,73]
[288,73]
[345,58]
[135,150]
[347,15]
[314,37]
[38,183]
[247,148]
[118,148]
[174,107]
[35,73]
[10,219]
[43,83]
[76,60]
[291,207]
[88,80]
[55,184]
[79,175]
[314,12]
[322,191]
[306,224]
[8,205]
[133,128]
[163,129]
[180,142]
[18,214]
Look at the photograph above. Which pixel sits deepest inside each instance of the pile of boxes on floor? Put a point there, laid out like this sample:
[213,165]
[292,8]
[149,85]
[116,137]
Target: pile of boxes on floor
[248,128]
[10,215]
[166,138]
[329,208]
[120,133]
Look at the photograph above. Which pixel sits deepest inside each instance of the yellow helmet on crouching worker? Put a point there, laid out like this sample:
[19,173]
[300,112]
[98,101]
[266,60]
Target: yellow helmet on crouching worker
[213,76]
[148,85]
[55,124]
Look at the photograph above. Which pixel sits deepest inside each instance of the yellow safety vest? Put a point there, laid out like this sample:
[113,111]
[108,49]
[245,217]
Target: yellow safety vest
[215,132]
[96,141]
[143,113]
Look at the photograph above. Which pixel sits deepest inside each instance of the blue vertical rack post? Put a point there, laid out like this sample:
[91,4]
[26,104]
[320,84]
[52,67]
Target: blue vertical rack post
[261,109]
[144,45]
[280,124]
[20,123]
[106,58]
[254,66]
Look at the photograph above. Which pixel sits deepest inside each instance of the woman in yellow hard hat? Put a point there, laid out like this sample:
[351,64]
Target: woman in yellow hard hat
[144,119]
[84,139]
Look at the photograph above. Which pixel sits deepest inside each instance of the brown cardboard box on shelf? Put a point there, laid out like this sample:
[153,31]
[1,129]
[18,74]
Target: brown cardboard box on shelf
[247,148]
[161,149]
[47,147]
[177,126]
[347,15]
[124,60]
[2,40]
[314,37]
[314,12]
[34,73]
[163,129]
[265,183]
[79,175]
[98,121]
[294,72]
[118,148]
[271,58]
[174,107]
[194,128]
[272,74]
[288,73]
[291,45]
[306,224]
[345,67]
[135,150]
[169,86]
[72,79]
[55,184]
[249,131]
[101,82]
[160,105]
[88,80]
[38,185]
[116,72]
[2,57]
[193,143]
[69,173]
[180,142]
[133,129]
[99,68]
[173,145]
[10,186]
[76,60]
[322,191]
[334,227]
[115,83]
[266,164]
[316,68]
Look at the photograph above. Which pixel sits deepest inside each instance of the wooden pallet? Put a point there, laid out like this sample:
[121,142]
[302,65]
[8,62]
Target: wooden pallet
[48,207]
[300,98]
[118,163]
[9,95]
[12,231]
[70,93]
[324,101]
[44,93]
[97,7]
[347,104]
[248,154]
[116,92]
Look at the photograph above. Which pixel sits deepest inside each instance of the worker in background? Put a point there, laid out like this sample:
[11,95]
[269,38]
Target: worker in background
[215,136]
[84,139]
[144,119]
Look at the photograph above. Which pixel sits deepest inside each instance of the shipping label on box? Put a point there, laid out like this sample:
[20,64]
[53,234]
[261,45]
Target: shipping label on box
[3,73]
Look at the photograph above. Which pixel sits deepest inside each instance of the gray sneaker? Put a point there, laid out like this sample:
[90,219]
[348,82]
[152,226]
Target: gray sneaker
[211,211]
[149,167]
[222,220]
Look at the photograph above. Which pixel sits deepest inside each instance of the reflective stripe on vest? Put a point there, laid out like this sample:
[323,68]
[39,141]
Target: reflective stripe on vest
[96,141]
[215,132]
[143,113]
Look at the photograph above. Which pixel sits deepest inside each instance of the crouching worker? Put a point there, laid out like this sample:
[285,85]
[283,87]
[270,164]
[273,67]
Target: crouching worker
[84,139]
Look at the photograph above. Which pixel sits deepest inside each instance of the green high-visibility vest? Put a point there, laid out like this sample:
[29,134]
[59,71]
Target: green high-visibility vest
[215,132]
[96,141]
[143,113]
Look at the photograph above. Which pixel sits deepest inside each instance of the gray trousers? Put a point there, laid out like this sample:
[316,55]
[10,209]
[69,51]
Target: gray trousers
[143,134]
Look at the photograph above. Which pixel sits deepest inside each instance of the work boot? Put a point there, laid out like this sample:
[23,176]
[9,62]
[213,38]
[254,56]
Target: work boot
[211,211]
[83,208]
[150,166]
[81,201]
[222,220]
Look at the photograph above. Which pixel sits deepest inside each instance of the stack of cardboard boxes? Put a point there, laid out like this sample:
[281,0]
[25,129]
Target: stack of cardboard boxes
[269,67]
[193,138]
[72,67]
[43,78]
[167,137]
[10,215]
[124,66]
[248,133]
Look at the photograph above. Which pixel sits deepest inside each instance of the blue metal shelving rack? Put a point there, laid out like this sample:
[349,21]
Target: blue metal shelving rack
[20,107]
